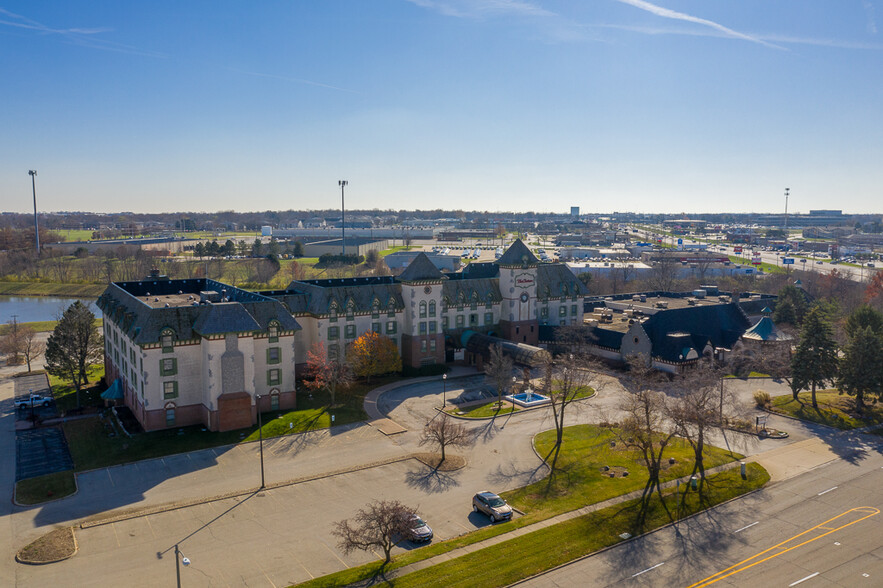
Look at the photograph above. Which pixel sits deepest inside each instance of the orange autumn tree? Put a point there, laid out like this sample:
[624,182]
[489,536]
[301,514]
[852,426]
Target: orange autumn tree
[372,354]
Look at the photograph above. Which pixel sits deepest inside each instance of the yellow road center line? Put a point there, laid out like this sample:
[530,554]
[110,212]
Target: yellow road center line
[783,548]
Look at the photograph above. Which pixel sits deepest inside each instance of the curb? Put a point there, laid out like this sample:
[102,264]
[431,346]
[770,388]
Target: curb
[52,561]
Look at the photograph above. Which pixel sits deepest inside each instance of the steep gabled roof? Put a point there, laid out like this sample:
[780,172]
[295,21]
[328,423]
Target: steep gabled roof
[421,270]
[518,255]
[670,331]
[765,330]
[227,317]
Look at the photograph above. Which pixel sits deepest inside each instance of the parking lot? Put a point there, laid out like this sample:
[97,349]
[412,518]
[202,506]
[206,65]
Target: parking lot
[41,451]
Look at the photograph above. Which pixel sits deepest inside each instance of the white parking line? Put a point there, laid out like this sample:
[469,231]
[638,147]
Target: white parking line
[826,491]
[647,570]
[746,527]
[803,580]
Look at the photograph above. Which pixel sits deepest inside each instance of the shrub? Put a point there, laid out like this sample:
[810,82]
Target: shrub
[762,398]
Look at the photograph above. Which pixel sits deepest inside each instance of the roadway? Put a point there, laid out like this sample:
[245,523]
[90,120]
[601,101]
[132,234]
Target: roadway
[821,528]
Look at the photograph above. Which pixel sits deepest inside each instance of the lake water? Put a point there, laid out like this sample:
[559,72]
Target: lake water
[29,309]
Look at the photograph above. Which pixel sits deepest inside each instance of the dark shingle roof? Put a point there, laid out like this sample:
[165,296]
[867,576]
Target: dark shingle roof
[420,270]
[552,278]
[718,324]
[518,255]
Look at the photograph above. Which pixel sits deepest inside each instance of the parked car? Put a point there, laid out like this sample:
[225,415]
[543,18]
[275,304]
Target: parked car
[492,505]
[32,400]
[420,531]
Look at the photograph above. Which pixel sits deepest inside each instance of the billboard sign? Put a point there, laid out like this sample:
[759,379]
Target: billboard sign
[788,260]
[737,249]
[756,260]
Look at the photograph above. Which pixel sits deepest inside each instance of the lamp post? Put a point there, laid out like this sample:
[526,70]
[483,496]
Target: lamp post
[33,174]
[260,437]
[180,559]
[444,390]
[342,184]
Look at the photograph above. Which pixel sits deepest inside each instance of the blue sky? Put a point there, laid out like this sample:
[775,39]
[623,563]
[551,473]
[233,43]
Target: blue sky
[610,105]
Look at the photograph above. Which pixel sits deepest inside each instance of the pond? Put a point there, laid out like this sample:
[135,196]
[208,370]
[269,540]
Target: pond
[28,309]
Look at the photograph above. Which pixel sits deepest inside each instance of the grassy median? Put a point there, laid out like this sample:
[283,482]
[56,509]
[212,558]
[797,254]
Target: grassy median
[835,409]
[45,488]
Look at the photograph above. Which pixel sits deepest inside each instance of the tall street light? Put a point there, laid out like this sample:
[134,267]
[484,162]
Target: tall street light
[180,559]
[444,390]
[342,184]
[260,437]
[33,174]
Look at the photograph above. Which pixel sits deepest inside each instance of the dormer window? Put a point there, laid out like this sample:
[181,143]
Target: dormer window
[375,309]
[273,331]
[391,307]
[489,300]
[350,310]
[167,340]
[332,312]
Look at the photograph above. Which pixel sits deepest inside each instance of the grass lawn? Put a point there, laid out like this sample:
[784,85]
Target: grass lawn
[570,540]
[483,411]
[38,326]
[45,488]
[580,481]
[92,445]
[75,234]
[750,375]
[51,289]
[66,395]
[585,450]
[835,410]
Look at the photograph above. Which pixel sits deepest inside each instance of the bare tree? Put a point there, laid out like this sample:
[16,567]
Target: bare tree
[31,346]
[696,409]
[383,524]
[644,426]
[569,383]
[442,431]
[663,274]
[499,369]
[12,344]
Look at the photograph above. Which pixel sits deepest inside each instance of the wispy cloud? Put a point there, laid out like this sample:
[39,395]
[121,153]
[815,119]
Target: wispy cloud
[85,37]
[673,14]
[290,79]
[483,8]
[869,11]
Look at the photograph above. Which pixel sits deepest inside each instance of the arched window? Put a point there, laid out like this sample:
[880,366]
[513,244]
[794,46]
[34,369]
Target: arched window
[489,300]
[391,307]
[332,311]
[473,303]
[170,413]
[422,309]
[432,308]
[375,309]
[167,340]
[350,310]
[273,331]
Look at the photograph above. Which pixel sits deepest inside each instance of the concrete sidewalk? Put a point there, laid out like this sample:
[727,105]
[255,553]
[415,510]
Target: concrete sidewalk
[782,463]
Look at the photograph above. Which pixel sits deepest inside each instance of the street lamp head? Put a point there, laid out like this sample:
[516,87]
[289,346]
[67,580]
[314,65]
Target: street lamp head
[185,561]
[444,376]
[342,183]
[32,172]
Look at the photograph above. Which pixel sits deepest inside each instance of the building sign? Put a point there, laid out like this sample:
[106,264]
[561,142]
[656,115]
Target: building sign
[524,281]
[756,260]
[737,250]
[788,260]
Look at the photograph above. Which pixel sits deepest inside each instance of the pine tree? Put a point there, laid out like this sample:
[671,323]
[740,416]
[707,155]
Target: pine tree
[74,345]
[861,370]
[815,361]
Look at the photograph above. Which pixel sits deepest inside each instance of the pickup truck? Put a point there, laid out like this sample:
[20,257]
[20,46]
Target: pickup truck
[36,399]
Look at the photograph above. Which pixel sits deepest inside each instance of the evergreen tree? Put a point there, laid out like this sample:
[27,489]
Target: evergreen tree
[793,306]
[74,345]
[864,316]
[861,370]
[815,361]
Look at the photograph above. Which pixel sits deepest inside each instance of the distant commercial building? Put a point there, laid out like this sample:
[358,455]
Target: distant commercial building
[574,211]
[354,246]
[266,231]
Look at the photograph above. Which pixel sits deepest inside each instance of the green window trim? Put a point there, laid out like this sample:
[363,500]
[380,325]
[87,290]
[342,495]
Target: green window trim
[169,390]
[168,370]
[350,332]
[333,333]
[274,351]
[274,377]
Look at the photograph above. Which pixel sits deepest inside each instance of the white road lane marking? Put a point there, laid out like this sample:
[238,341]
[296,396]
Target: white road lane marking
[803,580]
[746,527]
[828,490]
[647,570]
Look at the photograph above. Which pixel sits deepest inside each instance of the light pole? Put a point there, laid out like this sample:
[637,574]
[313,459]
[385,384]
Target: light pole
[444,390]
[33,174]
[180,559]
[260,436]
[342,184]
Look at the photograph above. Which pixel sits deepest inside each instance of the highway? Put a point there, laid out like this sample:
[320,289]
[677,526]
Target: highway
[821,528]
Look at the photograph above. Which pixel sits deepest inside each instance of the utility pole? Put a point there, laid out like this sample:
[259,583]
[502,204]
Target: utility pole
[787,190]
[33,174]
[342,184]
